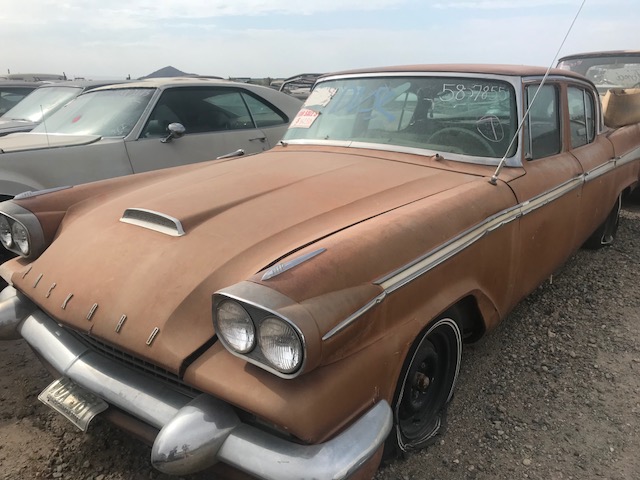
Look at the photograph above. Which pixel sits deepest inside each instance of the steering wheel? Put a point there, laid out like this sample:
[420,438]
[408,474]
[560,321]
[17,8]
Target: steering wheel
[471,142]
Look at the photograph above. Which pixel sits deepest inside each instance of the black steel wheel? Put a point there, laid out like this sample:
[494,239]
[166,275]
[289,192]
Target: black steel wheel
[427,384]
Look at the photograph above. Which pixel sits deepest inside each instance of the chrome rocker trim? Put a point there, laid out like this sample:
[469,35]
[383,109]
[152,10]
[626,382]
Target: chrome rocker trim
[194,433]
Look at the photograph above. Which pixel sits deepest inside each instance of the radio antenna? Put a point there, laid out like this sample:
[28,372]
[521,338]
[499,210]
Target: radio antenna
[494,179]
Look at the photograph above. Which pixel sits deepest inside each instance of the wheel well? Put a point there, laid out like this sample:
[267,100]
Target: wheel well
[473,327]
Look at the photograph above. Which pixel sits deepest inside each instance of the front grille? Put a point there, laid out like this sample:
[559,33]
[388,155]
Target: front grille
[142,366]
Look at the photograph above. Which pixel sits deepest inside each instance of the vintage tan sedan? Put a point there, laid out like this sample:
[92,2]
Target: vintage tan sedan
[291,313]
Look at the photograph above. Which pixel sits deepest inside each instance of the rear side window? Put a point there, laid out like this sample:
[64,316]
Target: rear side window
[542,131]
[263,114]
[581,116]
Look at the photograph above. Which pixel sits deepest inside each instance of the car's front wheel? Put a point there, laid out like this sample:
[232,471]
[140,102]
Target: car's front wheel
[426,385]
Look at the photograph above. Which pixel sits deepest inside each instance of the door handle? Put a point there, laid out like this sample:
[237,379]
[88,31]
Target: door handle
[262,139]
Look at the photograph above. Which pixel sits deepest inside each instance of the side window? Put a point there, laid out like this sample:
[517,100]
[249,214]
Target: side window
[542,130]
[581,116]
[199,110]
[263,114]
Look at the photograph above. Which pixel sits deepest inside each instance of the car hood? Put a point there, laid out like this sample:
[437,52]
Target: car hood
[20,142]
[12,126]
[149,293]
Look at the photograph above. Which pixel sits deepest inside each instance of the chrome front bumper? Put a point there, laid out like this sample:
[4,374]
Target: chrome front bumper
[194,433]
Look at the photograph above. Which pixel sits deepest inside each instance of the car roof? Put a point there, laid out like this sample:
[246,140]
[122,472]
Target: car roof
[164,82]
[82,83]
[607,53]
[483,69]
[19,83]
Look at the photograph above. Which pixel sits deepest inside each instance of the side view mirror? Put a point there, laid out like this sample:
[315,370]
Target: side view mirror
[176,130]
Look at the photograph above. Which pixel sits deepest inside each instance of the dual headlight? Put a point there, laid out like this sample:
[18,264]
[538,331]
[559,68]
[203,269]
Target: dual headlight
[14,236]
[259,336]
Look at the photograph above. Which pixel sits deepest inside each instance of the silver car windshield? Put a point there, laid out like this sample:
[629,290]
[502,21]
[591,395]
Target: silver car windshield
[108,113]
[607,71]
[467,116]
[42,101]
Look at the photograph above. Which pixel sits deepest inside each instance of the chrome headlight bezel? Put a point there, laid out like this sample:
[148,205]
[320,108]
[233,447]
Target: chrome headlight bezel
[19,218]
[257,356]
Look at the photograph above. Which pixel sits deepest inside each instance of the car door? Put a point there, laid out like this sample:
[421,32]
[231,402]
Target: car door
[217,122]
[596,156]
[549,192]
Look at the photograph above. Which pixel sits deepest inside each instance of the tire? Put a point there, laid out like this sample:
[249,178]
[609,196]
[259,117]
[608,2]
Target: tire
[605,234]
[426,386]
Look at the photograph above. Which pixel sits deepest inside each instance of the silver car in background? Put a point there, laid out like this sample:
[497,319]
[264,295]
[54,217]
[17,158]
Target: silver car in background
[43,102]
[12,91]
[142,126]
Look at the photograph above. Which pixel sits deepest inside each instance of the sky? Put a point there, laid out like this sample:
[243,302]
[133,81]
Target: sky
[280,38]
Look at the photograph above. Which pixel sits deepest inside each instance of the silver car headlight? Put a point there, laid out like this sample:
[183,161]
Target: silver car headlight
[280,344]
[21,238]
[235,326]
[6,237]
[259,336]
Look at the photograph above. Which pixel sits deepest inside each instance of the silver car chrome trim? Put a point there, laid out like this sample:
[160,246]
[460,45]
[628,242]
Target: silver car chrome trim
[194,433]
[37,193]
[93,309]
[14,308]
[336,459]
[66,301]
[190,442]
[512,161]
[283,267]
[123,319]
[26,272]
[152,336]
[352,318]
[438,255]
[156,221]
[421,265]
[143,397]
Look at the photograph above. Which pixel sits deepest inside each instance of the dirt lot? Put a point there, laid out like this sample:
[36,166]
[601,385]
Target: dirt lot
[554,393]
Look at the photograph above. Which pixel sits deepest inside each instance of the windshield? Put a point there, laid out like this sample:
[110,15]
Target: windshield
[108,113]
[608,71]
[467,116]
[43,100]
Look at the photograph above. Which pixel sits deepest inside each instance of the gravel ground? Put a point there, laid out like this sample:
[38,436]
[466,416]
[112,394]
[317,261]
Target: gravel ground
[553,393]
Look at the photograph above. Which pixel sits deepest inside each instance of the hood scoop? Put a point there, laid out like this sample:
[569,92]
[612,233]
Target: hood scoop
[156,221]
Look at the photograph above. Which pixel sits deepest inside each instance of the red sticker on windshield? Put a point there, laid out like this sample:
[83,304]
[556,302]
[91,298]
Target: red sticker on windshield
[305,118]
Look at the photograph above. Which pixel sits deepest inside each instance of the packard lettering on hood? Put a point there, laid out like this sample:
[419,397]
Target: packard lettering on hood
[288,312]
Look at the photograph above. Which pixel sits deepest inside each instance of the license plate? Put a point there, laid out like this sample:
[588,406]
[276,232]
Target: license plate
[73,401]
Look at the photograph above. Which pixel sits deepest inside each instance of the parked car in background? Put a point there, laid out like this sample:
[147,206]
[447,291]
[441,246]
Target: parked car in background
[35,77]
[43,102]
[140,126]
[611,69]
[299,85]
[288,313]
[11,92]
